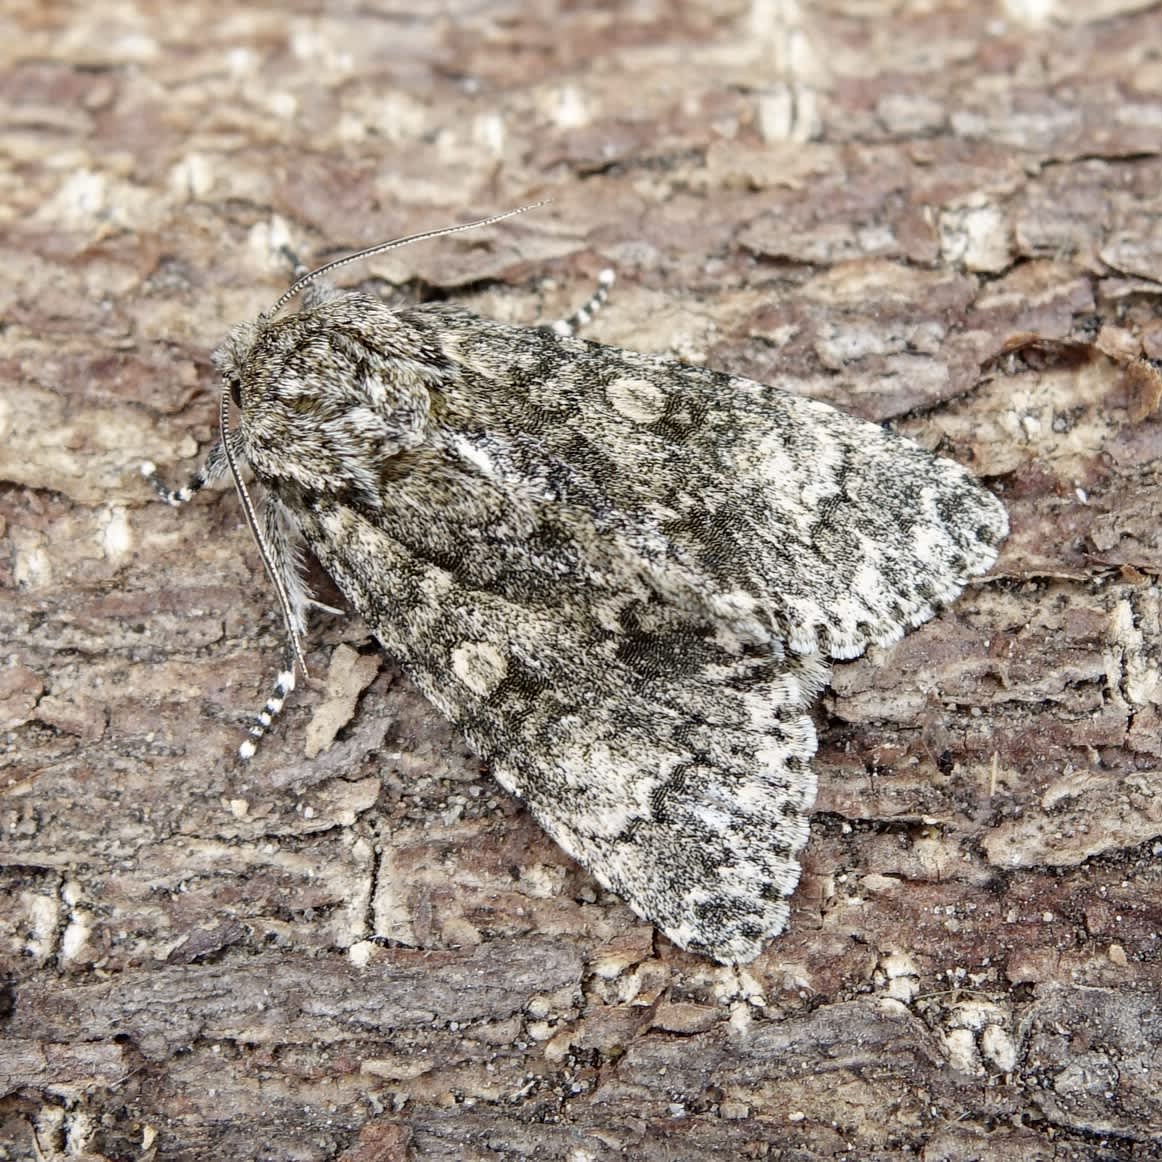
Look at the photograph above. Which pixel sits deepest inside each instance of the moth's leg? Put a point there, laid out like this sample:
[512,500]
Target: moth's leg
[284,684]
[283,545]
[280,535]
[297,265]
[212,468]
[571,324]
[280,531]
[314,294]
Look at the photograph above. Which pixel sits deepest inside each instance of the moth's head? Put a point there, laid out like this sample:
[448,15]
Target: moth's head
[329,396]
[229,357]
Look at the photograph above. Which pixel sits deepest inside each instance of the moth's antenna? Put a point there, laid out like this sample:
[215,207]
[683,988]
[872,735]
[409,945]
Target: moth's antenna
[382,247]
[256,532]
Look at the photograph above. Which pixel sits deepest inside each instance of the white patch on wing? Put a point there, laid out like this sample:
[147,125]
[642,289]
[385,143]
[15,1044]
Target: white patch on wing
[468,450]
[480,666]
[638,400]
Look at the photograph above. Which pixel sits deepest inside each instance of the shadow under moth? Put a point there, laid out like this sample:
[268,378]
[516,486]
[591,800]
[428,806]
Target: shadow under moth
[622,577]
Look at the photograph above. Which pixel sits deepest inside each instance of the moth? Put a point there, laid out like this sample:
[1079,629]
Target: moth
[622,577]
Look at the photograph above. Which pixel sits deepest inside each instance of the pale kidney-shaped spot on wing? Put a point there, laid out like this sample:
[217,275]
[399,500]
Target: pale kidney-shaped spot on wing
[480,666]
[638,400]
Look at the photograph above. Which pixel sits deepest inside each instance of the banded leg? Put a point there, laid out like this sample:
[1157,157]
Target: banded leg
[314,294]
[571,324]
[212,468]
[298,267]
[279,536]
[285,547]
[283,685]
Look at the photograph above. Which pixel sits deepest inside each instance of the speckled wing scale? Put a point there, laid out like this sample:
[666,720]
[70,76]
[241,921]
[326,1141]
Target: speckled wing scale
[622,577]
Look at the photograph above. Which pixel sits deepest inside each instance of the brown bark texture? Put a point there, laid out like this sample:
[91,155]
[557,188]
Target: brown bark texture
[877,204]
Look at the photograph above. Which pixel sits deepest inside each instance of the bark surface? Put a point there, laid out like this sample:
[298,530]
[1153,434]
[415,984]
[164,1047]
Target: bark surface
[874,204]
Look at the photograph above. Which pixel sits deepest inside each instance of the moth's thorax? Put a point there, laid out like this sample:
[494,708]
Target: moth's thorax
[329,395]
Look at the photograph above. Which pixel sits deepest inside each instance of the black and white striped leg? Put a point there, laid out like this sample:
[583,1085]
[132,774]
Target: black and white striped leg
[314,294]
[283,685]
[212,468]
[570,325]
[298,267]
[280,535]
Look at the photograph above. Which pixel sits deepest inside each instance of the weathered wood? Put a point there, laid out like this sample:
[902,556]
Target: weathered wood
[864,203]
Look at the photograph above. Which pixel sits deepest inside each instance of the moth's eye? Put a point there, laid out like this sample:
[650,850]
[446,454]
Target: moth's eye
[236,392]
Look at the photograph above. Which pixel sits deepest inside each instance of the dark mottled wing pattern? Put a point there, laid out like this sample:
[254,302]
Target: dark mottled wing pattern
[621,577]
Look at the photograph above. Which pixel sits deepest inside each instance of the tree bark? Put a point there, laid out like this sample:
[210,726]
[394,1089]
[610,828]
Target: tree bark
[937,215]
